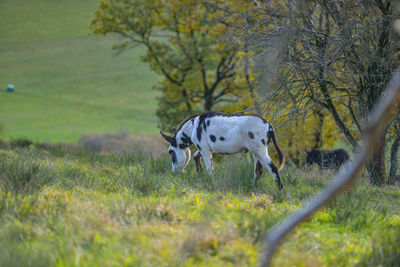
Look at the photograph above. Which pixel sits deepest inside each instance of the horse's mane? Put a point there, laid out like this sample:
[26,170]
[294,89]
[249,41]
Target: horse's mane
[185,121]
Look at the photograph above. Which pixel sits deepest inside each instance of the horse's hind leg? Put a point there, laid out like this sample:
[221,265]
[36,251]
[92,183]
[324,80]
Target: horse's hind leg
[266,161]
[258,169]
[207,158]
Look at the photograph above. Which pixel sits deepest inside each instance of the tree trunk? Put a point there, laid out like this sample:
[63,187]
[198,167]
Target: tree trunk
[376,166]
[394,161]
[208,102]
[377,78]
[394,158]
[318,131]
[332,109]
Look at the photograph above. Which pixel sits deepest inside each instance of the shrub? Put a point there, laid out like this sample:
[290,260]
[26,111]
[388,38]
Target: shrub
[3,144]
[20,142]
[120,143]
[21,175]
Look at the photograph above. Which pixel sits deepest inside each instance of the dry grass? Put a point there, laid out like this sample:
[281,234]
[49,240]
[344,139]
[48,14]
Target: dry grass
[119,143]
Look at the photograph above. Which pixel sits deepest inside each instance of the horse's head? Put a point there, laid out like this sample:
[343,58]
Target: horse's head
[179,151]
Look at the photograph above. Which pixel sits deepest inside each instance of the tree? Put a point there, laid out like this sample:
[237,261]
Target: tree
[185,45]
[210,54]
[338,56]
[244,23]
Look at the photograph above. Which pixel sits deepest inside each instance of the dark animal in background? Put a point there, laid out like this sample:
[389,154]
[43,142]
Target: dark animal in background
[327,159]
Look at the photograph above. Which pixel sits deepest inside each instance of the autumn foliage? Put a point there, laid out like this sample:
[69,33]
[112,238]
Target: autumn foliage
[313,70]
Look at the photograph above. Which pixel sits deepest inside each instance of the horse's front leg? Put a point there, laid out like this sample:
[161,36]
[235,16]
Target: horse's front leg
[207,158]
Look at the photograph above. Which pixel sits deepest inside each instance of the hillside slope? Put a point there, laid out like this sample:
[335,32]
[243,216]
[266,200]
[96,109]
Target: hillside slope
[67,81]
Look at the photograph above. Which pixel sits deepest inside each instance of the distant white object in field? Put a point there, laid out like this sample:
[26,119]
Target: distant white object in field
[10,88]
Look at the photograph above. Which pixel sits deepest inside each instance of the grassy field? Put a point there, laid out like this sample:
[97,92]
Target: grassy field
[71,207]
[76,208]
[68,82]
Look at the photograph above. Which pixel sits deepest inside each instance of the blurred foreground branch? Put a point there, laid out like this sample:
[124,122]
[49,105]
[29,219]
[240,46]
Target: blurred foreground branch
[342,179]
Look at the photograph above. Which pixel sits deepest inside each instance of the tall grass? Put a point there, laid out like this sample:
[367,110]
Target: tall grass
[67,206]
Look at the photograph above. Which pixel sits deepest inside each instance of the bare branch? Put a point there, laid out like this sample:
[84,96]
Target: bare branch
[342,179]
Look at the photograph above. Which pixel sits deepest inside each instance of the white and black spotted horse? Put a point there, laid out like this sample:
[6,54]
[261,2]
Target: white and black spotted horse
[224,134]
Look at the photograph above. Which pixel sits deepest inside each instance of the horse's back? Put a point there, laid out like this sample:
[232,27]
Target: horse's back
[232,134]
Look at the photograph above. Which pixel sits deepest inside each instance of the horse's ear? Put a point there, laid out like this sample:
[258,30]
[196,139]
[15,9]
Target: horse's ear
[175,130]
[167,138]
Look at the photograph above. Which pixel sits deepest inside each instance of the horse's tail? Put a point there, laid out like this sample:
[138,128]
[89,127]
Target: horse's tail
[271,135]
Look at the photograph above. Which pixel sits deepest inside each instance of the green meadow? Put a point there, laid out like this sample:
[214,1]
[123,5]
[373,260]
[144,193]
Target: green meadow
[67,81]
[76,208]
[62,205]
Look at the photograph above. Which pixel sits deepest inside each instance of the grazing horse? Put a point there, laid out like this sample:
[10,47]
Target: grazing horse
[327,159]
[224,134]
